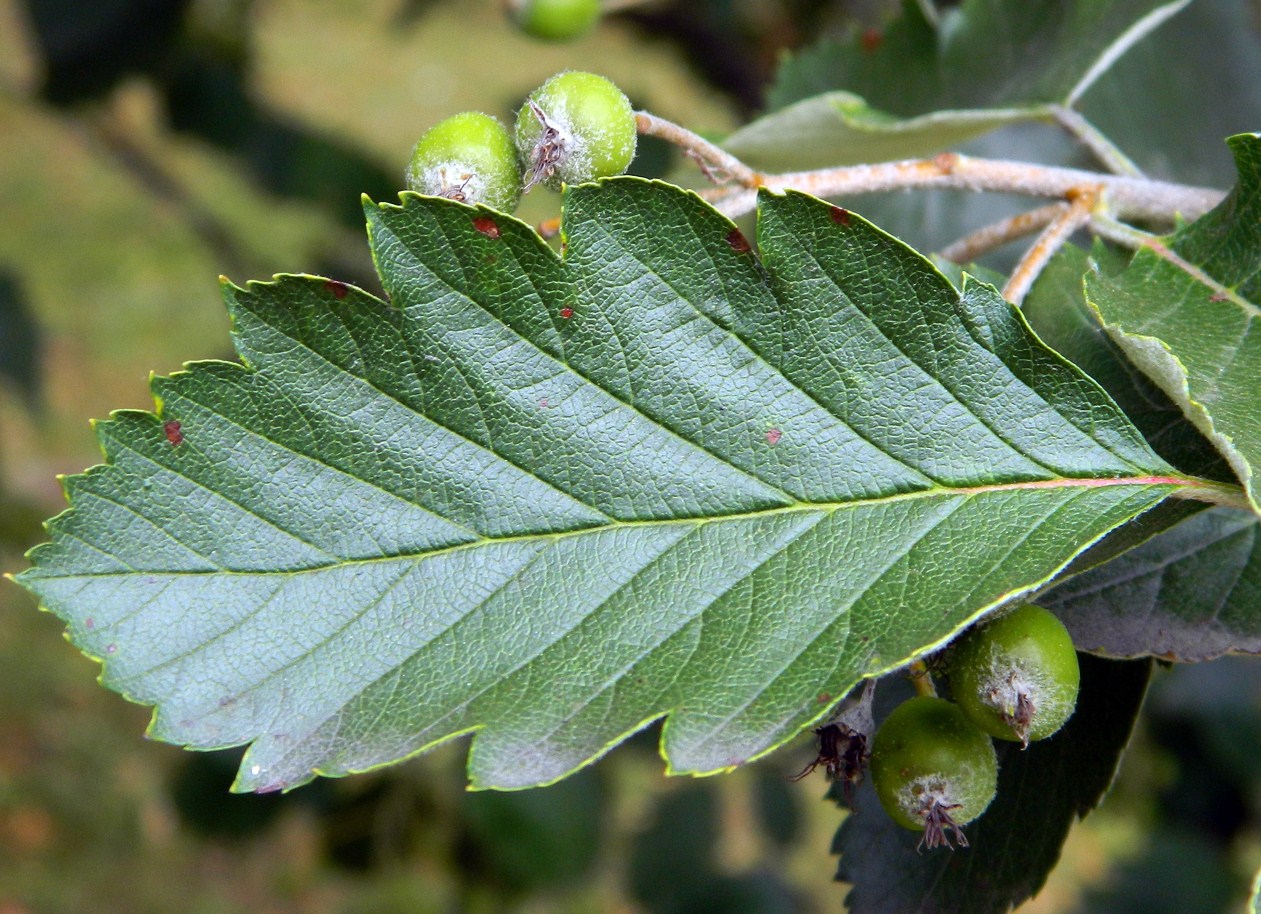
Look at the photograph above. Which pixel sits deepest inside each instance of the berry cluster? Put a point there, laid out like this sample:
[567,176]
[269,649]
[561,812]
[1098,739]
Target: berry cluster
[932,763]
[575,127]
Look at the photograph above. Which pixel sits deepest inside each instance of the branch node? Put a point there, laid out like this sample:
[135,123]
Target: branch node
[946,162]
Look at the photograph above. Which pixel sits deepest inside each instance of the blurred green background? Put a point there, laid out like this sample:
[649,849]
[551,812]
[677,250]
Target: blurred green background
[147,146]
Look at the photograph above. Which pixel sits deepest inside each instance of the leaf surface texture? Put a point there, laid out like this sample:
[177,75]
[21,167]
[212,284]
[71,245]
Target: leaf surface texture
[551,500]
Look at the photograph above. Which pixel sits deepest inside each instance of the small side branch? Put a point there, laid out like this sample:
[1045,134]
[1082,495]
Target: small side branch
[1051,240]
[719,165]
[1118,232]
[1000,233]
[1103,149]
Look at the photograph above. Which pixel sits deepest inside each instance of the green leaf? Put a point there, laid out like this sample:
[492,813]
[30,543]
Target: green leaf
[1183,312]
[840,128]
[1047,51]
[922,87]
[1056,308]
[1191,593]
[1015,843]
[1254,897]
[552,500]
[1187,100]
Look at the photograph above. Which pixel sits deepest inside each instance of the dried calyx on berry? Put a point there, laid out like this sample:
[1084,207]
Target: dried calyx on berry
[933,770]
[576,127]
[469,158]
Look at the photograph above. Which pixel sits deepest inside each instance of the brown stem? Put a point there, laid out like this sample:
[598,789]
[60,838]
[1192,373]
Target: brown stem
[1000,233]
[114,139]
[721,162]
[1125,197]
[1051,240]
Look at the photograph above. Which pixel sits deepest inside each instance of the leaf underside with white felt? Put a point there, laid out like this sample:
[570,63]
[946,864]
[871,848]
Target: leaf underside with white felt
[1184,309]
[1191,593]
[548,501]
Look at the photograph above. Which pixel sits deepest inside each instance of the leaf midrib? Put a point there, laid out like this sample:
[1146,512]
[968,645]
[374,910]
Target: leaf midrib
[1173,482]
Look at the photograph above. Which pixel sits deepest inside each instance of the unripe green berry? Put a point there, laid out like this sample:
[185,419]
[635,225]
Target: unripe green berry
[470,158]
[932,769]
[555,20]
[575,127]
[1016,677]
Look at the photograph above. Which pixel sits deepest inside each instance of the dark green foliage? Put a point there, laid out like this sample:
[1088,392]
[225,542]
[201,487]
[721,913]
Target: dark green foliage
[525,841]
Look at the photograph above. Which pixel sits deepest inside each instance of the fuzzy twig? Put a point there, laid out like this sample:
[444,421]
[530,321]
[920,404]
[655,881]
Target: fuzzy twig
[1093,139]
[1125,197]
[1000,233]
[1051,240]
[716,160]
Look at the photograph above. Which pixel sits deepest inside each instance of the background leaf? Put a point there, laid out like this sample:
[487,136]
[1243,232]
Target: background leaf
[1183,313]
[841,128]
[1042,791]
[553,500]
[918,88]
[1188,100]
[1191,593]
[1193,100]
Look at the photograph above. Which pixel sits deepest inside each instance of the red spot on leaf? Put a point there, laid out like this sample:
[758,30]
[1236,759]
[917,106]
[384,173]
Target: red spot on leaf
[871,39]
[738,242]
[89,623]
[824,698]
[946,162]
[543,404]
[336,287]
[1219,296]
[840,215]
[111,648]
[773,436]
[566,313]
[173,433]
[487,226]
